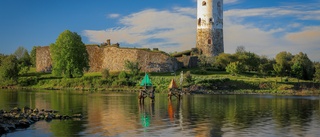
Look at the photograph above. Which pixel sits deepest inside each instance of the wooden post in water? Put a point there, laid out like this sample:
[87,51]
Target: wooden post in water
[146,93]
[146,82]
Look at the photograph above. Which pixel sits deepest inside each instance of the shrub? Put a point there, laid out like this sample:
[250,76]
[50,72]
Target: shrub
[120,82]
[202,72]
[235,68]
[122,75]
[27,81]
[285,87]
[105,73]
[188,77]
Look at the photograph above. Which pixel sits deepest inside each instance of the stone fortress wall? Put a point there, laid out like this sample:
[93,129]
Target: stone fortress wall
[113,57]
[43,59]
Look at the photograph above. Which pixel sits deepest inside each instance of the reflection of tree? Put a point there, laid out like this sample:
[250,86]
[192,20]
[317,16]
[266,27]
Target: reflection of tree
[288,112]
[67,103]
[12,98]
[245,112]
[66,128]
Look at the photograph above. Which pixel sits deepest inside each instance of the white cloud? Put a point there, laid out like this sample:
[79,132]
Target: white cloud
[229,1]
[295,25]
[225,1]
[175,30]
[168,30]
[266,42]
[114,15]
[302,14]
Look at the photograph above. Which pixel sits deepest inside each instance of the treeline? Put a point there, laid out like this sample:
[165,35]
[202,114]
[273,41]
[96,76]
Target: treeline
[284,64]
[15,65]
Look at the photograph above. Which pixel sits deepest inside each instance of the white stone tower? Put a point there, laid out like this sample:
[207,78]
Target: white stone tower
[210,27]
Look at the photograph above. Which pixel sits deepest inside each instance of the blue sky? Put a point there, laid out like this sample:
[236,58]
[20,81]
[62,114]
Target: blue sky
[263,27]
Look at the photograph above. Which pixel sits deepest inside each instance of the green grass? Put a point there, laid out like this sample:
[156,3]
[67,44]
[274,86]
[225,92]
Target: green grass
[249,82]
[93,74]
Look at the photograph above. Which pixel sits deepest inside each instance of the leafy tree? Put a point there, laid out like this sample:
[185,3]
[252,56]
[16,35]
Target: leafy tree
[302,66]
[224,59]
[240,50]
[297,70]
[105,73]
[235,68]
[133,67]
[317,71]
[249,60]
[283,63]
[122,75]
[23,56]
[69,55]
[9,69]
[24,59]
[20,52]
[188,77]
[24,63]
[33,55]
[265,65]
[2,56]
[205,61]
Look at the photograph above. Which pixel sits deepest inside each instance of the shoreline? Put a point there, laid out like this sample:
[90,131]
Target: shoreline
[301,92]
[18,118]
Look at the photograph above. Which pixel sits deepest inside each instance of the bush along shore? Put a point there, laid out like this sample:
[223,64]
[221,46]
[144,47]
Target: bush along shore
[229,86]
[194,82]
[18,118]
[198,85]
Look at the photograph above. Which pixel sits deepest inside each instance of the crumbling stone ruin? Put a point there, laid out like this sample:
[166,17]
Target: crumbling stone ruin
[113,57]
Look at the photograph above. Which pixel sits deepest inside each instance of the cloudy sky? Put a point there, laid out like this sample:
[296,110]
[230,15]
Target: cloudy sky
[263,27]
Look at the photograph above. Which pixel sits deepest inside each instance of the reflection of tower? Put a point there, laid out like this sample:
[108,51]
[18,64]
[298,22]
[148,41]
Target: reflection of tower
[210,27]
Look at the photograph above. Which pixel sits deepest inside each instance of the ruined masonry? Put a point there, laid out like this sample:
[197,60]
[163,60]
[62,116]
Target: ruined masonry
[113,58]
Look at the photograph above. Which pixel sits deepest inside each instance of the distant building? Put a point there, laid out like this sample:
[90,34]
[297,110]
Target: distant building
[210,27]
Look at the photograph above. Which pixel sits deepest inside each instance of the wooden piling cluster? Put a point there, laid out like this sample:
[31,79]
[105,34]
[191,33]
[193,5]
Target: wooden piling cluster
[146,93]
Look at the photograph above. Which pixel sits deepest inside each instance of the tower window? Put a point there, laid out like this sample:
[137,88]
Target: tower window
[209,41]
[199,21]
[204,3]
[210,20]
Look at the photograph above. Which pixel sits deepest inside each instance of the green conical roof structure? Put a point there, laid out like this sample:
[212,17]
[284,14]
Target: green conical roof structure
[146,81]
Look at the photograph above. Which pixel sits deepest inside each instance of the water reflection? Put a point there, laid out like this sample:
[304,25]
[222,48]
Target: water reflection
[145,115]
[170,111]
[116,114]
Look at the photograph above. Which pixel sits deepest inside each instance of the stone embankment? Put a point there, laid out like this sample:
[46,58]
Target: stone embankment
[18,118]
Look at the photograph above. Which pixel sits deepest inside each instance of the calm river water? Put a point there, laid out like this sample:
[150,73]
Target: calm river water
[119,114]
